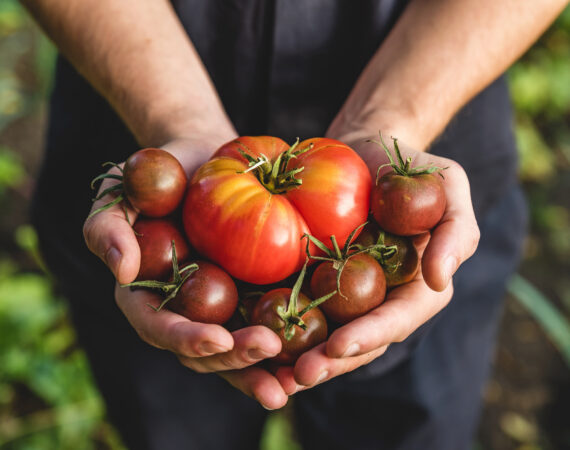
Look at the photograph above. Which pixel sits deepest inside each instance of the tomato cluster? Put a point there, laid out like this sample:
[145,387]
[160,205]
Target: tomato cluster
[258,212]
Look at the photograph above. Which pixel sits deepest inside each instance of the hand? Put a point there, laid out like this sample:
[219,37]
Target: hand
[409,306]
[207,347]
[200,347]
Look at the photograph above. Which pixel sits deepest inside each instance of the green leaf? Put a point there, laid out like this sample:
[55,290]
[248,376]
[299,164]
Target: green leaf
[546,314]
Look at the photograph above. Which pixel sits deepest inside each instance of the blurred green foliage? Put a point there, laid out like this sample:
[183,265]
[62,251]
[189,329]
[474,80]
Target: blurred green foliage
[47,397]
[41,366]
[540,87]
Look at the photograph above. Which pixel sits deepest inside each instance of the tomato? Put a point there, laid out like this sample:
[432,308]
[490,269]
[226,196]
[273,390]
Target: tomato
[400,263]
[208,295]
[154,182]
[362,287]
[406,205]
[408,201]
[267,312]
[155,238]
[248,207]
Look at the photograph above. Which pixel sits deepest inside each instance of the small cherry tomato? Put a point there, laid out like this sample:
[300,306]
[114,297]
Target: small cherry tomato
[408,201]
[208,295]
[396,254]
[154,182]
[155,238]
[362,287]
[271,311]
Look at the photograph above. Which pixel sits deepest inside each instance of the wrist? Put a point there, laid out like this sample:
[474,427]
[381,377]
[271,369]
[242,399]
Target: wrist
[402,123]
[160,126]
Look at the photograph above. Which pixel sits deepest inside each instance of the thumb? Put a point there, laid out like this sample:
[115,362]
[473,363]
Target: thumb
[110,236]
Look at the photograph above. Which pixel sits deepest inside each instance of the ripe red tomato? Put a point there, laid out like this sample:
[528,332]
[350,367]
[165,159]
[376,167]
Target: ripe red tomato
[248,207]
[362,287]
[266,312]
[155,238]
[209,295]
[154,182]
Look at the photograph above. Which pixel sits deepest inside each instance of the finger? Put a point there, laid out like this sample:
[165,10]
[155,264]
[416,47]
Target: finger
[456,237]
[251,345]
[258,384]
[170,331]
[405,309]
[110,236]
[315,367]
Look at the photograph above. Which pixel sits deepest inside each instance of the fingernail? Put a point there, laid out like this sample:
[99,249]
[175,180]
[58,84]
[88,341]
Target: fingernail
[257,353]
[352,349]
[322,377]
[266,407]
[299,387]
[210,348]
[113,259]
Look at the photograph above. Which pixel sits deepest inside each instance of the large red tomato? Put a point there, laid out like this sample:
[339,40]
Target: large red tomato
[248,207]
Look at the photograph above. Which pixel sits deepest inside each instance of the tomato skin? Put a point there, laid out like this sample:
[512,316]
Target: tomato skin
[408,205]
[209,295]
[154,181]
[155,238]
[406,261]
[404,265]
[362,282]
[265,313]
[234,220]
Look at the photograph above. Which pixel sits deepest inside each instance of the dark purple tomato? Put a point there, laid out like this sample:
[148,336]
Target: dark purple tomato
[362,287]
[402,265]
[266,313]
[209,295]
[154,182]
[408,205]
[155,238]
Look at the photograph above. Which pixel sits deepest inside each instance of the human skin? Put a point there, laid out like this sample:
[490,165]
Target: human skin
[438,56]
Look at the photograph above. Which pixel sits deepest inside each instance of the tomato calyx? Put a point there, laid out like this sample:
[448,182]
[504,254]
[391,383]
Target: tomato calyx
[291,316]
[401,167]
[381,252]
[339,257]
[273,175]
[168,288]
[116,188]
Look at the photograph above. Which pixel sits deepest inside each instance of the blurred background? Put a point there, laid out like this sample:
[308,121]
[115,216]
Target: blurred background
[47,396]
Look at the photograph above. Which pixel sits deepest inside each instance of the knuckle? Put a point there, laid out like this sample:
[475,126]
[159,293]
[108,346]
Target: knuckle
[227,362]
[402,325]
[473,241]
[144,334]
[89,234]
[193,365]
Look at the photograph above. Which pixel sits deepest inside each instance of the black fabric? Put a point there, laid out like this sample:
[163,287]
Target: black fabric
[284,67]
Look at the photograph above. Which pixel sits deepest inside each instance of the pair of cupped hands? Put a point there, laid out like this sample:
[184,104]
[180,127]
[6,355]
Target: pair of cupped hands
[232,355]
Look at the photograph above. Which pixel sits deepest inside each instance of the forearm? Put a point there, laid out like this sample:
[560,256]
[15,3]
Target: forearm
[138,56]
[439,55]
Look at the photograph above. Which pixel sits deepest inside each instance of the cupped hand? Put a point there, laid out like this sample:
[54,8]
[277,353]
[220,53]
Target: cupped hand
[456,236]
[406,307]
[366,338]
[207,347]
[200,347]
[110,236]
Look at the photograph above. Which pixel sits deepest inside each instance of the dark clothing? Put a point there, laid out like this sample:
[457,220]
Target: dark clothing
[284,68]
